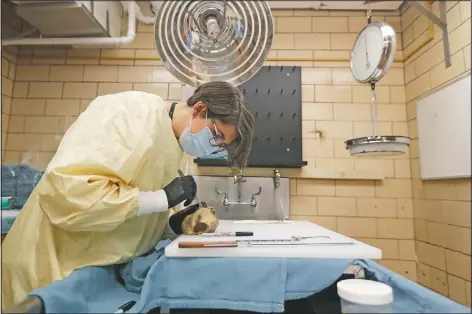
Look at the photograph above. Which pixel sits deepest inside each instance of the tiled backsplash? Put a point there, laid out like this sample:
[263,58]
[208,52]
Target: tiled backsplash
[47,95]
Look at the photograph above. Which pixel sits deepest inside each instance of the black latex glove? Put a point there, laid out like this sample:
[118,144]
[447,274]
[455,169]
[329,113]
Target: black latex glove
[181,189]
[175,221]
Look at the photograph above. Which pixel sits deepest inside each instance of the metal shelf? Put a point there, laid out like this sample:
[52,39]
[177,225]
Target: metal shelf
[441,21]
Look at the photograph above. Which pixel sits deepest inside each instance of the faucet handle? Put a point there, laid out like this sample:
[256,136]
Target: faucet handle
[226,202]
[253,201]
[218,191]
[258,192]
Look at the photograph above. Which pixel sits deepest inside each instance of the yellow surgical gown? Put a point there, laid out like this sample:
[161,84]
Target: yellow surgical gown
[83,211]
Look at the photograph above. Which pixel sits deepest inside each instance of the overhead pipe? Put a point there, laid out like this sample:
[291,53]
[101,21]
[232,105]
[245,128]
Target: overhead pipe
[139,15]
[100,41]
[155,5]
[145,19]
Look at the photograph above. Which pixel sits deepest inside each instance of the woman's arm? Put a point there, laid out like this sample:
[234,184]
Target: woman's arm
[87,186]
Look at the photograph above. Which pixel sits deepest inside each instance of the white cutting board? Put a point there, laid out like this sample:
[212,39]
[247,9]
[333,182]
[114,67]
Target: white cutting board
[271,230]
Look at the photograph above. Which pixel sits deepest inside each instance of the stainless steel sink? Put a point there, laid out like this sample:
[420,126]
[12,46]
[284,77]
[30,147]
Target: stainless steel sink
[271,204]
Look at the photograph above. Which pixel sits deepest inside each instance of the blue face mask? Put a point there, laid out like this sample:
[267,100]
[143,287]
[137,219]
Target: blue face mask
[197,145]
[220,154]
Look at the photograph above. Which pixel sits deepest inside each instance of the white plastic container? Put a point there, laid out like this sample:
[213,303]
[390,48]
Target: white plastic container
[364,296]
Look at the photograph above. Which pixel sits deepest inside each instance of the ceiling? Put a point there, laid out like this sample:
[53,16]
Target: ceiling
[335,5]
[387,5]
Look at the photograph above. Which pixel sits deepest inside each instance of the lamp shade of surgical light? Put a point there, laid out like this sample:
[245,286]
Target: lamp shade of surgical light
[206,41]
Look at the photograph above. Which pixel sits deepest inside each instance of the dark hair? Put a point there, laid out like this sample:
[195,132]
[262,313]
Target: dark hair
[226,103]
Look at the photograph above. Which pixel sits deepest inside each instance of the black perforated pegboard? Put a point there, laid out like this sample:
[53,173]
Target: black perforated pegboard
[275,95]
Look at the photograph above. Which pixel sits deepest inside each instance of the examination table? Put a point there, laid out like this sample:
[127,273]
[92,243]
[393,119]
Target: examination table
[224,285]
[213,285]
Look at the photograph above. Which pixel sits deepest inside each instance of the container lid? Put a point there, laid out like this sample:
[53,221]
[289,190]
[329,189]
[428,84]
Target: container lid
[365,292]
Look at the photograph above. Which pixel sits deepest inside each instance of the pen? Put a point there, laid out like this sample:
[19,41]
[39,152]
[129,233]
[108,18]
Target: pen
[189,245]
[229,234]
[125,307]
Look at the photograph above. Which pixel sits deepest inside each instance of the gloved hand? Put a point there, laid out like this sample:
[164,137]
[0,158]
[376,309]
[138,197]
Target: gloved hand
[204,220]
[175,221]
[196,219]
[180,189]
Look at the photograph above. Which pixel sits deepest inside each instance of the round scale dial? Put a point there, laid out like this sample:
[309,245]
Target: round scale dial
[373,52]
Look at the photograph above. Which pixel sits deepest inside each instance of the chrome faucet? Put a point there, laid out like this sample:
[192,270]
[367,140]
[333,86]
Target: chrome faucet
[238,179]
[277,178]
[253,201]
[227,203]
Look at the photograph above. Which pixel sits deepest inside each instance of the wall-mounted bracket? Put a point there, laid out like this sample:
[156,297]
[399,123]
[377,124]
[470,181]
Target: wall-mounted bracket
[441,21]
